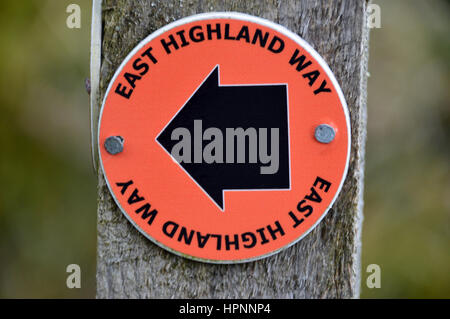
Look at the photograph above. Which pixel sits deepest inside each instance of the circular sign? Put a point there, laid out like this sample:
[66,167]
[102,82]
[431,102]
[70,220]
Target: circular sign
[224,138]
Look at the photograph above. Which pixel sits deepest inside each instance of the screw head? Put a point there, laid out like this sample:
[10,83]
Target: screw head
[114,145]
[324,133]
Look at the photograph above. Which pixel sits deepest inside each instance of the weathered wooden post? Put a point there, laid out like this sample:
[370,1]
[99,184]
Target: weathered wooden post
[326,263]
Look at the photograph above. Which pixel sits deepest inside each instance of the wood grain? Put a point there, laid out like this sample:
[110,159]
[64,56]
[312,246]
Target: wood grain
[326,263]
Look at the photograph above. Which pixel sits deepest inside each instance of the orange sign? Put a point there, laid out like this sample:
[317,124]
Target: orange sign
[224,138]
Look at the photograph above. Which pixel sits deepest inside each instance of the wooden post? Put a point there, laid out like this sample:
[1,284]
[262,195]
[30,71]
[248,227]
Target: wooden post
[326,263]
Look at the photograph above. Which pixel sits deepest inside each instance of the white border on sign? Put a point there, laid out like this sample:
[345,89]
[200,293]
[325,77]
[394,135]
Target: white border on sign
[269,24]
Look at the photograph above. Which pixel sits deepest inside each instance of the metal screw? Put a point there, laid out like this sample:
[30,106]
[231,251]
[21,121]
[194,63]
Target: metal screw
[114,145]
[324,133]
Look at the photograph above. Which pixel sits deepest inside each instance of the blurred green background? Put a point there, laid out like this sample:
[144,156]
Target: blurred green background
[48,192]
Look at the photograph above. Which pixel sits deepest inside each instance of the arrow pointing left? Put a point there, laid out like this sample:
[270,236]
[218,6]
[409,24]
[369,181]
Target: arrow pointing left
[232,137]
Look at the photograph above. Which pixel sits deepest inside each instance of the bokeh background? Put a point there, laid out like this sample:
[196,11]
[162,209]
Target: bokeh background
[48,186]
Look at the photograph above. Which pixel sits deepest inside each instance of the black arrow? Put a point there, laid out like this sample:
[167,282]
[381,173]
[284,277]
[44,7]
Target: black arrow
[234,106]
